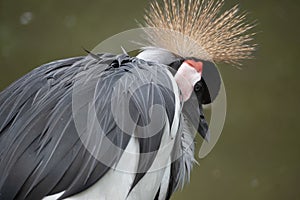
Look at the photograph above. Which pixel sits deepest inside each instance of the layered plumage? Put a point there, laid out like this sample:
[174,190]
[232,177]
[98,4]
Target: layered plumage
[42,152]
[106,126]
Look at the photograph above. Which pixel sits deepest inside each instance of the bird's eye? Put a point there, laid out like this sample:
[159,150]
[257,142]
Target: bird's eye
[198,86]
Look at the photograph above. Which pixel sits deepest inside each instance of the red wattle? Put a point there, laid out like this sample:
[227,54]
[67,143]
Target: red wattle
[197,65]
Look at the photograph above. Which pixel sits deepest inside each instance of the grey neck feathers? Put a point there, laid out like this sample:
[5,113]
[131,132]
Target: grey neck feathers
[184,145]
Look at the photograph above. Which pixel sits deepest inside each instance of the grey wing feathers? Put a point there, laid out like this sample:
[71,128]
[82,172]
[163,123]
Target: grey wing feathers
[41,151]
[182,166]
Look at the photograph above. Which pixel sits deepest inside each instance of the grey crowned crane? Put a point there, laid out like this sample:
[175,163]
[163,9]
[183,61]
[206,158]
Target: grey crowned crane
[117,127]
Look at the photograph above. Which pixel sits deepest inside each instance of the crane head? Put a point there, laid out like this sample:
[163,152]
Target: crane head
[199,82]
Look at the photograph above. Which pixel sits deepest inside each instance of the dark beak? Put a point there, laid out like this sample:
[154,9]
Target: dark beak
[193,110]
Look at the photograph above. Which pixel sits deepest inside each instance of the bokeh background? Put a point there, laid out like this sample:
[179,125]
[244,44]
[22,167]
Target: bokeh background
[258,154]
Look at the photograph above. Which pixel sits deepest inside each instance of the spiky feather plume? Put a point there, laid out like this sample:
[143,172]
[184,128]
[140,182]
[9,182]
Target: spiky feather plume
[197,28]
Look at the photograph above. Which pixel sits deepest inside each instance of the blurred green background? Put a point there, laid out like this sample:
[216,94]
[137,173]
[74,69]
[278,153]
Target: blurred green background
[258,154]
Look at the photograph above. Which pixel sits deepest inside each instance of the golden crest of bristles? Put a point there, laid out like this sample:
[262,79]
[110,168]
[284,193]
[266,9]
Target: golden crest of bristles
[197,28]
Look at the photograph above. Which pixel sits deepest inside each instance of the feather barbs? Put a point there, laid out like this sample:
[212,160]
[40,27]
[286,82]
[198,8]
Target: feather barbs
[198,28]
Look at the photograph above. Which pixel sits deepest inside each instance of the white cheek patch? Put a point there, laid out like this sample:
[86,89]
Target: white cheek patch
[186,77]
